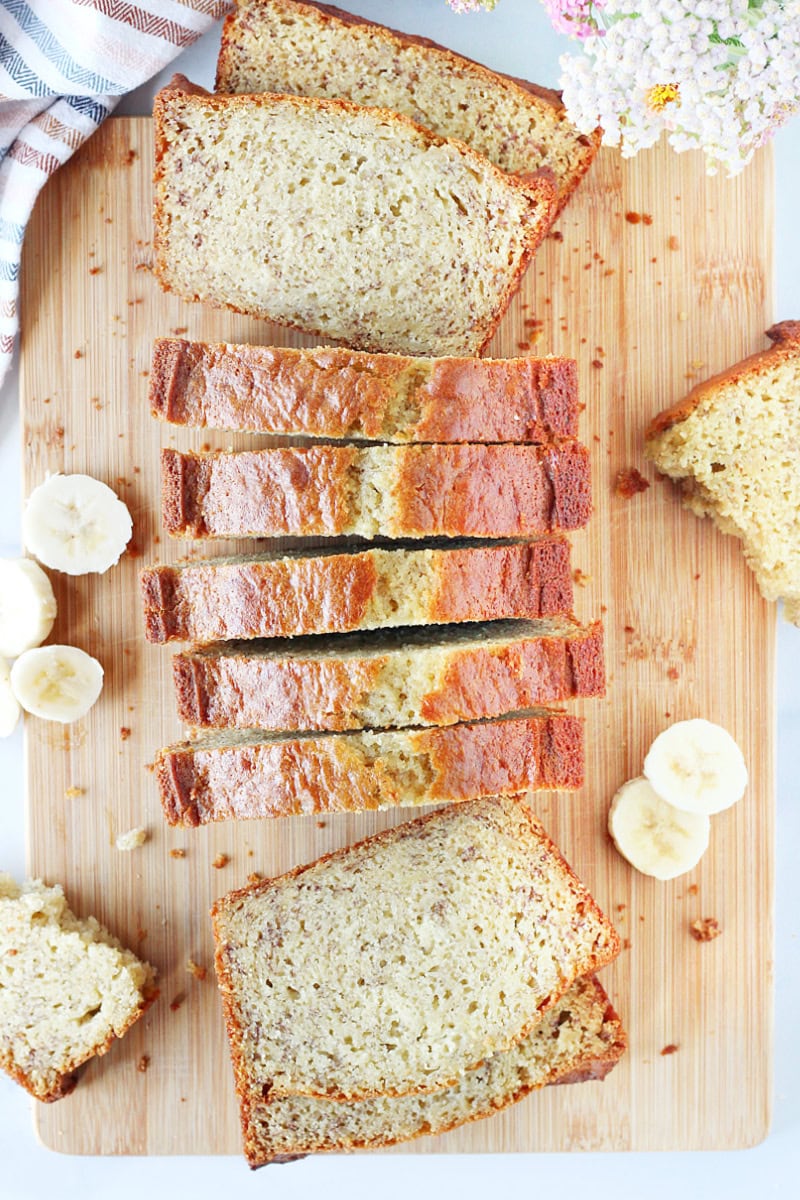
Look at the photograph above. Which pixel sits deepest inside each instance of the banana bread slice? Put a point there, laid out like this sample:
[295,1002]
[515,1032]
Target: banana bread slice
[734,444]
[394,966]
[333,392]
[580,1039]
[379,680]
[293,594]
[317,50]
[352,223]
[242,775]
[384,491]
[67,989]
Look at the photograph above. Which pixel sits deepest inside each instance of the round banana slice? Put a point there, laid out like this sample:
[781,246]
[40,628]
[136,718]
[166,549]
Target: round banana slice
[75,524]
[656,838]
[9,707]
[27,605]
[697,766]
[59,683]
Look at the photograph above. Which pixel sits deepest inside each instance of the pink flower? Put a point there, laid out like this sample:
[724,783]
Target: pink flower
[576,18]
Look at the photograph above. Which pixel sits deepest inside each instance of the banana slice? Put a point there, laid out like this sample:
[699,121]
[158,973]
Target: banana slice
[697,766]
[9,707]
[75,524]
[27,605]
[59,683]
[656,838]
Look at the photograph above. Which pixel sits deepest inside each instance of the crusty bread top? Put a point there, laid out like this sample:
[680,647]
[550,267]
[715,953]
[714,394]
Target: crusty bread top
[394,966]
[343,240]
[320,50]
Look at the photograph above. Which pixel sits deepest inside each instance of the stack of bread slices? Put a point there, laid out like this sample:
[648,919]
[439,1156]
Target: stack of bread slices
[419,664]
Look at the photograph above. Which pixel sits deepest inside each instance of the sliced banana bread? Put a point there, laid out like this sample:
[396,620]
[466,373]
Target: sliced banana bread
[394,966]
[316,50]
[580,1039]
[379,680]
[293,594]
[734,443]
[242,775]
[384,491]
[67,989]
[349,222]
[339,393]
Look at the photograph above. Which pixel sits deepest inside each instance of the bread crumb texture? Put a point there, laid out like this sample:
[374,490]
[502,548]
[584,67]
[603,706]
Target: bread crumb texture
[67,988]
[132,839]
[394,966]
[352,223]
[734,443]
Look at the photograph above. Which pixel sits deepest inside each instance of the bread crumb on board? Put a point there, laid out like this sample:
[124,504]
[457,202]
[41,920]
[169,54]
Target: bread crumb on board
[629,482]
[132,839]
[705,929]
[670,1049]
[143,1063]
[72,793]
[195,969]
[177,853]
[221,861]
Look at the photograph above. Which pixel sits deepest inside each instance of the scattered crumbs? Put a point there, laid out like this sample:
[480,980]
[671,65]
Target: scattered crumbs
[608,271]
[596,437]
[596,362]
[603,608]
[523,345]
[670,1049]
[178,1001]
[641,917]
[221,861]
[156,539]
[205,447]
[124,733]
[696,364]
[667,715]
[557,236]
[629,482]
[143,1063]
[633,218]
[130,158]
[653,260]
[179,330]
[629,629]
[251,853]
[95,270]
[705,929]
[626,943]
[150,766]
[683,316]
[320,824]
[587,266]
[126,650]
[580,578]
[98,403]
[177,853]
[647,219]
[132,839]
[78,354]
[255,877]
[693,889]
[195,969]
[673,673]
[697,576]
[137,470]
[621,907]
[72,793]
[673,243]
[141,934]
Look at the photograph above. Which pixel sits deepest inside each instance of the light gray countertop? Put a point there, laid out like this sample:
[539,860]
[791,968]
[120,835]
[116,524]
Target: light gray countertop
[516,38]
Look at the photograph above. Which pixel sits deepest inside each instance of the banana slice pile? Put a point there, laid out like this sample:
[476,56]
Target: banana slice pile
[74,524]
[660,821]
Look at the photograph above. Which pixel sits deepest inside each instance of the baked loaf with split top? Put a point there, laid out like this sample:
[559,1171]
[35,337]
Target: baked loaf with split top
[578,1040]
[395,966]
[68,989]
[241,775]
[293,594]
[389,491]
[380,680]
[317,50]
[333,393]
[734,444]
[348,222]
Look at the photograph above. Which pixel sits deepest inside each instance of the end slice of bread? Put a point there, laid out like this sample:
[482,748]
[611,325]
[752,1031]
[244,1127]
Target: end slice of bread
[395,966]
[579,1039]
[244,775]
[349,222]
[734,445]
[317,50]
[68,989]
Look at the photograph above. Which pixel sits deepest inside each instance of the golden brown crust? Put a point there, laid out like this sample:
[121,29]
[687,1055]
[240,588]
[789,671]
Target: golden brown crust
[241,691]
[288,597]
[599,958]
[336,393]
[199,784]
[449,60]
[436,491]
[539,190]
[785,337]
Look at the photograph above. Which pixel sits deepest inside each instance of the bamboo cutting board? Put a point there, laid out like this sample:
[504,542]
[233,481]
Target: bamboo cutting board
[657,276]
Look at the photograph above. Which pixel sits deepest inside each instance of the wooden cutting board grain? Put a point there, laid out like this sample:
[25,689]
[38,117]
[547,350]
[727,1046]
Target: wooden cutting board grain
[657,277]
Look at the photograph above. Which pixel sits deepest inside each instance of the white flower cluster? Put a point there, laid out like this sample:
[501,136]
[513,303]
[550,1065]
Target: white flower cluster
[716,75]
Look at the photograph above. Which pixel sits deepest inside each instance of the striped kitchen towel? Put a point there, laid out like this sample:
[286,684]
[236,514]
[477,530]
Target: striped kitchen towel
[63,66]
